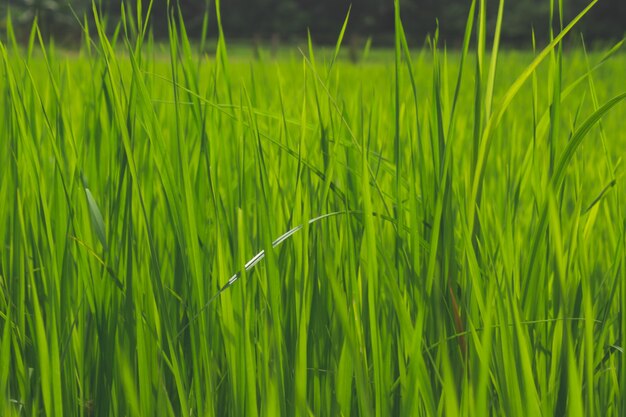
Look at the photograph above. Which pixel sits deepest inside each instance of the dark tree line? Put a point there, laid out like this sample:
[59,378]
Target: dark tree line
[290,19]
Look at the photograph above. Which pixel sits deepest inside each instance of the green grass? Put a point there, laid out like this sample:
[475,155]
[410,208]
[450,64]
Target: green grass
[439,233]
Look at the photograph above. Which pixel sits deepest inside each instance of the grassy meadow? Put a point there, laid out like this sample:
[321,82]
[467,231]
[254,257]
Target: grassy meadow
[427,232]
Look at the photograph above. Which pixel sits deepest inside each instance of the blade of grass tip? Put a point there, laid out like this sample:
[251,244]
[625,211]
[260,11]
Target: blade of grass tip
[599,198]
[97,221]
[594,98]
[221,41]
[143,26]
[127,22]
[338,44]
[86,34]
[467,37]
[116,33]
[579,135]
[366,49]
[491,77]
[10,32]
[83,23]
[139,17]
[310,46]
[481,40]
[31,38]
[204,31]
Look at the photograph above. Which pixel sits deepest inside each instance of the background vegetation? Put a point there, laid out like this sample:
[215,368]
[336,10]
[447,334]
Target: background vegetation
[289,19]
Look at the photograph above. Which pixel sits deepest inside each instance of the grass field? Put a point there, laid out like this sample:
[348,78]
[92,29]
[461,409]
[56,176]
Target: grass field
[437,234]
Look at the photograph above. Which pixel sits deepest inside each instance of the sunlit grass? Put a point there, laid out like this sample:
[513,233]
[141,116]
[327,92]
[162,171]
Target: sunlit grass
[187,234]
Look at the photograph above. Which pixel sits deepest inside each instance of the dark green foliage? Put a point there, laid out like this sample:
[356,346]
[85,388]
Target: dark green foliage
[265,20]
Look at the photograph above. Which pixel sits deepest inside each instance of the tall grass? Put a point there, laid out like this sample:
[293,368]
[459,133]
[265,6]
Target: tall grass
[184,234]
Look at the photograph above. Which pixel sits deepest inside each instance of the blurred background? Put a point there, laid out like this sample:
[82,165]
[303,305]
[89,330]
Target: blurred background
[287,21]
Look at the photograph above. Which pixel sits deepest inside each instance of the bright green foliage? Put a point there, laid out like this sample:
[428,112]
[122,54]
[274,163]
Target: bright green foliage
[185,235]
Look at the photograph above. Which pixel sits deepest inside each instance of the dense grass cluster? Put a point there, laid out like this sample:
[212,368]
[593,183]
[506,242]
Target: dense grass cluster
[192,235]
